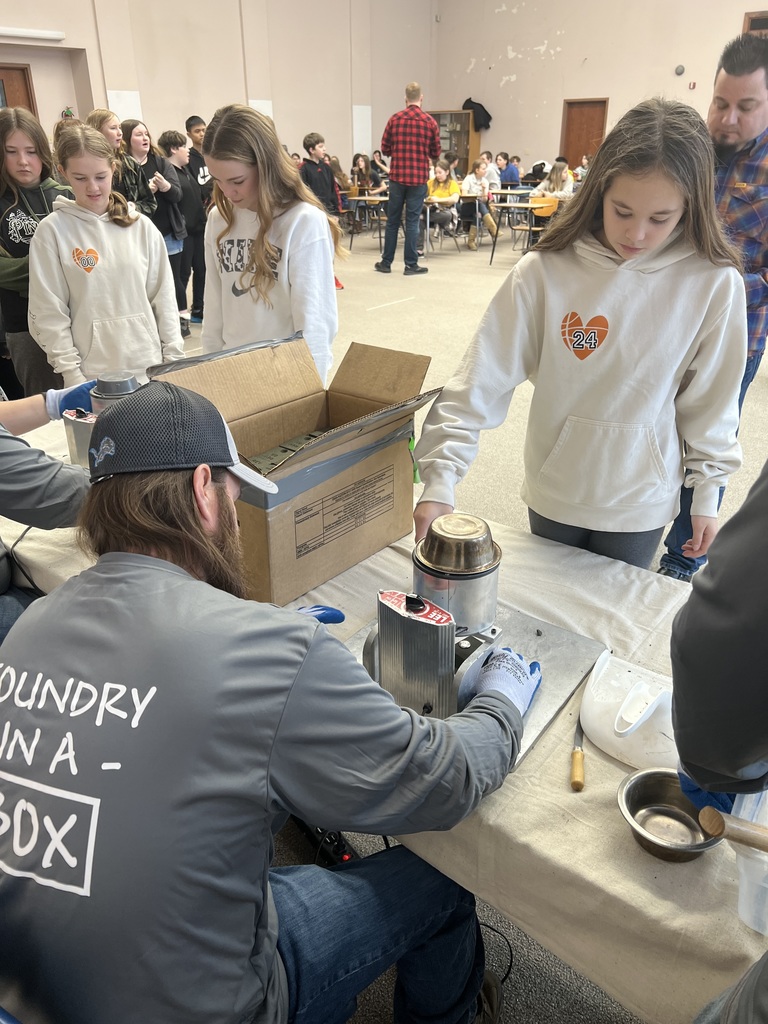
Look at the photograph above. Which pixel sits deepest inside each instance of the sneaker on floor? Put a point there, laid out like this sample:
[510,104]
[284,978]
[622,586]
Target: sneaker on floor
[410,271]
[339,285]
[382,267]
[184,325]
[196,318]
[490,1000]
[675,574]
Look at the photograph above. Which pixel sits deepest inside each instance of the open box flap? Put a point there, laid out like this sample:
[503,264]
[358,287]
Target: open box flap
[249,379]
[380,375]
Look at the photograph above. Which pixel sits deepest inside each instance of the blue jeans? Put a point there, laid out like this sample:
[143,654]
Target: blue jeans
[412,197]
[12,604]
[340,929]
[682,528]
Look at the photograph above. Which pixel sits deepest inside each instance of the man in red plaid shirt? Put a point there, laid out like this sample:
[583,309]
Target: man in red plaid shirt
[412,139]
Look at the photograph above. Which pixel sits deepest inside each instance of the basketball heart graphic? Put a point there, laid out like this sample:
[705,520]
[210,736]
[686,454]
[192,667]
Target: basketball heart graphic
[583,339]
[87,260]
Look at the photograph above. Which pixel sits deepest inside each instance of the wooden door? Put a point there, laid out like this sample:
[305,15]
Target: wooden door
[583,128]
[16,87]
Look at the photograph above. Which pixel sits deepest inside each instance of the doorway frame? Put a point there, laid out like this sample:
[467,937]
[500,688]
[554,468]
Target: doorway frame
[26,70]
[605,100]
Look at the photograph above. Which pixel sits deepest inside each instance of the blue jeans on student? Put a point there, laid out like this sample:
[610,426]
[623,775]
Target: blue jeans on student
[412,197]
[12,604]
[340,929]
[682,528]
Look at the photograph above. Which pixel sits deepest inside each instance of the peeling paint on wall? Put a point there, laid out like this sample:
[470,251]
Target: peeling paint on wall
[500,10]
[507,78]
[511,53]
[541,48]
[471,67]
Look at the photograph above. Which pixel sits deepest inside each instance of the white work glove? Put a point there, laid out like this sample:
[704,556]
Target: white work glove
[76,397]
[507,672]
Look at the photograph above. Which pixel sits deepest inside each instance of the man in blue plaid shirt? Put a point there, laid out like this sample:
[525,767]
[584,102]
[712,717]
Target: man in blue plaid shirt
[412,139]
[738,123]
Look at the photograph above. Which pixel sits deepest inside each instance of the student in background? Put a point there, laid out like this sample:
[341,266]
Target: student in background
[175,147]
[317,174]
[475,184]
[101,291]
[164,183]
[593,317]
[28,191]
[557,184]
[195,129]
[128,179]
[442,198]
[508,172]
[269,243]
[491,170]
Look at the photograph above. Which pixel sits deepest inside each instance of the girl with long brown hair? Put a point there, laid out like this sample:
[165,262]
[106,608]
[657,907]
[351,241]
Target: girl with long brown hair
[629,317]
[269,243]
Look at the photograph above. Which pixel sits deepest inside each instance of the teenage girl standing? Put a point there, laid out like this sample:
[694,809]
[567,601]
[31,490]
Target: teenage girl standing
[101,294]
[629,319]
[269,244]
[128,179]
[27,194]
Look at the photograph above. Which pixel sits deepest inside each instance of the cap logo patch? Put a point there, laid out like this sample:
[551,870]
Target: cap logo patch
[107,447]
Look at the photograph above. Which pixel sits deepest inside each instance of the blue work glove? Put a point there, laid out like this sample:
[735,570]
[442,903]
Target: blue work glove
[509,673]
[700,798]
[76,397]
[323,613]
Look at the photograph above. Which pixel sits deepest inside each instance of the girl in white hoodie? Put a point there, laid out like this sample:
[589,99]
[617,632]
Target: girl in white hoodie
[629,318]
[101,294]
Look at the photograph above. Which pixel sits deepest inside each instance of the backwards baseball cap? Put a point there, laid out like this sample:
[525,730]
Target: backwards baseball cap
[161,426]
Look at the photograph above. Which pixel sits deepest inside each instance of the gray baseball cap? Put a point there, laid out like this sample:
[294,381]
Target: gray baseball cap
[162,426]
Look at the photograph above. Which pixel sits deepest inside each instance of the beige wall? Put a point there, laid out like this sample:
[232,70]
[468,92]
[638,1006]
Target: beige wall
[339,66]
[521,59]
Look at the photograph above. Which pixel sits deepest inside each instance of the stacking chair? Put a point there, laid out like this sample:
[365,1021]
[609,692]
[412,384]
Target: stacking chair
[546,206]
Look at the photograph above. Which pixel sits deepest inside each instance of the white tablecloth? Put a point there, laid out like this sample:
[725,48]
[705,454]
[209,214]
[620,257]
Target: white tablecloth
[661,938]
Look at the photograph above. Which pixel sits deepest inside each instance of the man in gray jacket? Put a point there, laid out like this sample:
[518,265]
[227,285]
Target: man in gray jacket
[160,729]
[719,658]
[35,489]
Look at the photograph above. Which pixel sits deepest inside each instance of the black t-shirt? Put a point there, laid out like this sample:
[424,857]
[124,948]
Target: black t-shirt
[18,223]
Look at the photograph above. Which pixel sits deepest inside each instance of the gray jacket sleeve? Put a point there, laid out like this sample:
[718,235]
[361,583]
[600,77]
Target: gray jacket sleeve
[347,756]
[720,657]
[35,489]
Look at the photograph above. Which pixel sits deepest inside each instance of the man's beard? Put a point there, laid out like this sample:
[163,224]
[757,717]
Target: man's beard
[227,571]
[724,152]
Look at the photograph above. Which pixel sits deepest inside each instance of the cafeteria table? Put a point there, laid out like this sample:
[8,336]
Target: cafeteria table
[662,938]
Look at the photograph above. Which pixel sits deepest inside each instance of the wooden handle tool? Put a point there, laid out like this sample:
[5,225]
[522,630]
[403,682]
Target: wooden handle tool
[577,759]
[747,833]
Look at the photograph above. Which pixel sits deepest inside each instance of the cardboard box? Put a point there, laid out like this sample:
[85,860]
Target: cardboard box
[344,494]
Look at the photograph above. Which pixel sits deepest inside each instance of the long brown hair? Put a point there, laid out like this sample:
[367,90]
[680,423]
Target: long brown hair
[13,119]
[81,140]
[657,135]
[156,514]
[237,132]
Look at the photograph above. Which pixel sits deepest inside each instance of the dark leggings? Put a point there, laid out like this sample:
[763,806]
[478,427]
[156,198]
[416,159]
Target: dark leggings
[181,292]
[634,548]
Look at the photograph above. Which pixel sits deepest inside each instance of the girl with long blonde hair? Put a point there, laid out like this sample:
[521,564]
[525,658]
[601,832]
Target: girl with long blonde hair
[269,243]
[101,294]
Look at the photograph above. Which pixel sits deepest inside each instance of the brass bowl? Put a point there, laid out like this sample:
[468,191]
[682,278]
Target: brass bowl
[458,543]
[662,818]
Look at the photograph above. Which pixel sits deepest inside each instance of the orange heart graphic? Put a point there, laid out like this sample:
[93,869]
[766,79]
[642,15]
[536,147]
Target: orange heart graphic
[583,340]
[86,260]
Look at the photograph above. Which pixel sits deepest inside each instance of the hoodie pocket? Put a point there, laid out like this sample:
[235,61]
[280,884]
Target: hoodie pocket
[120,344]
[604,465]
